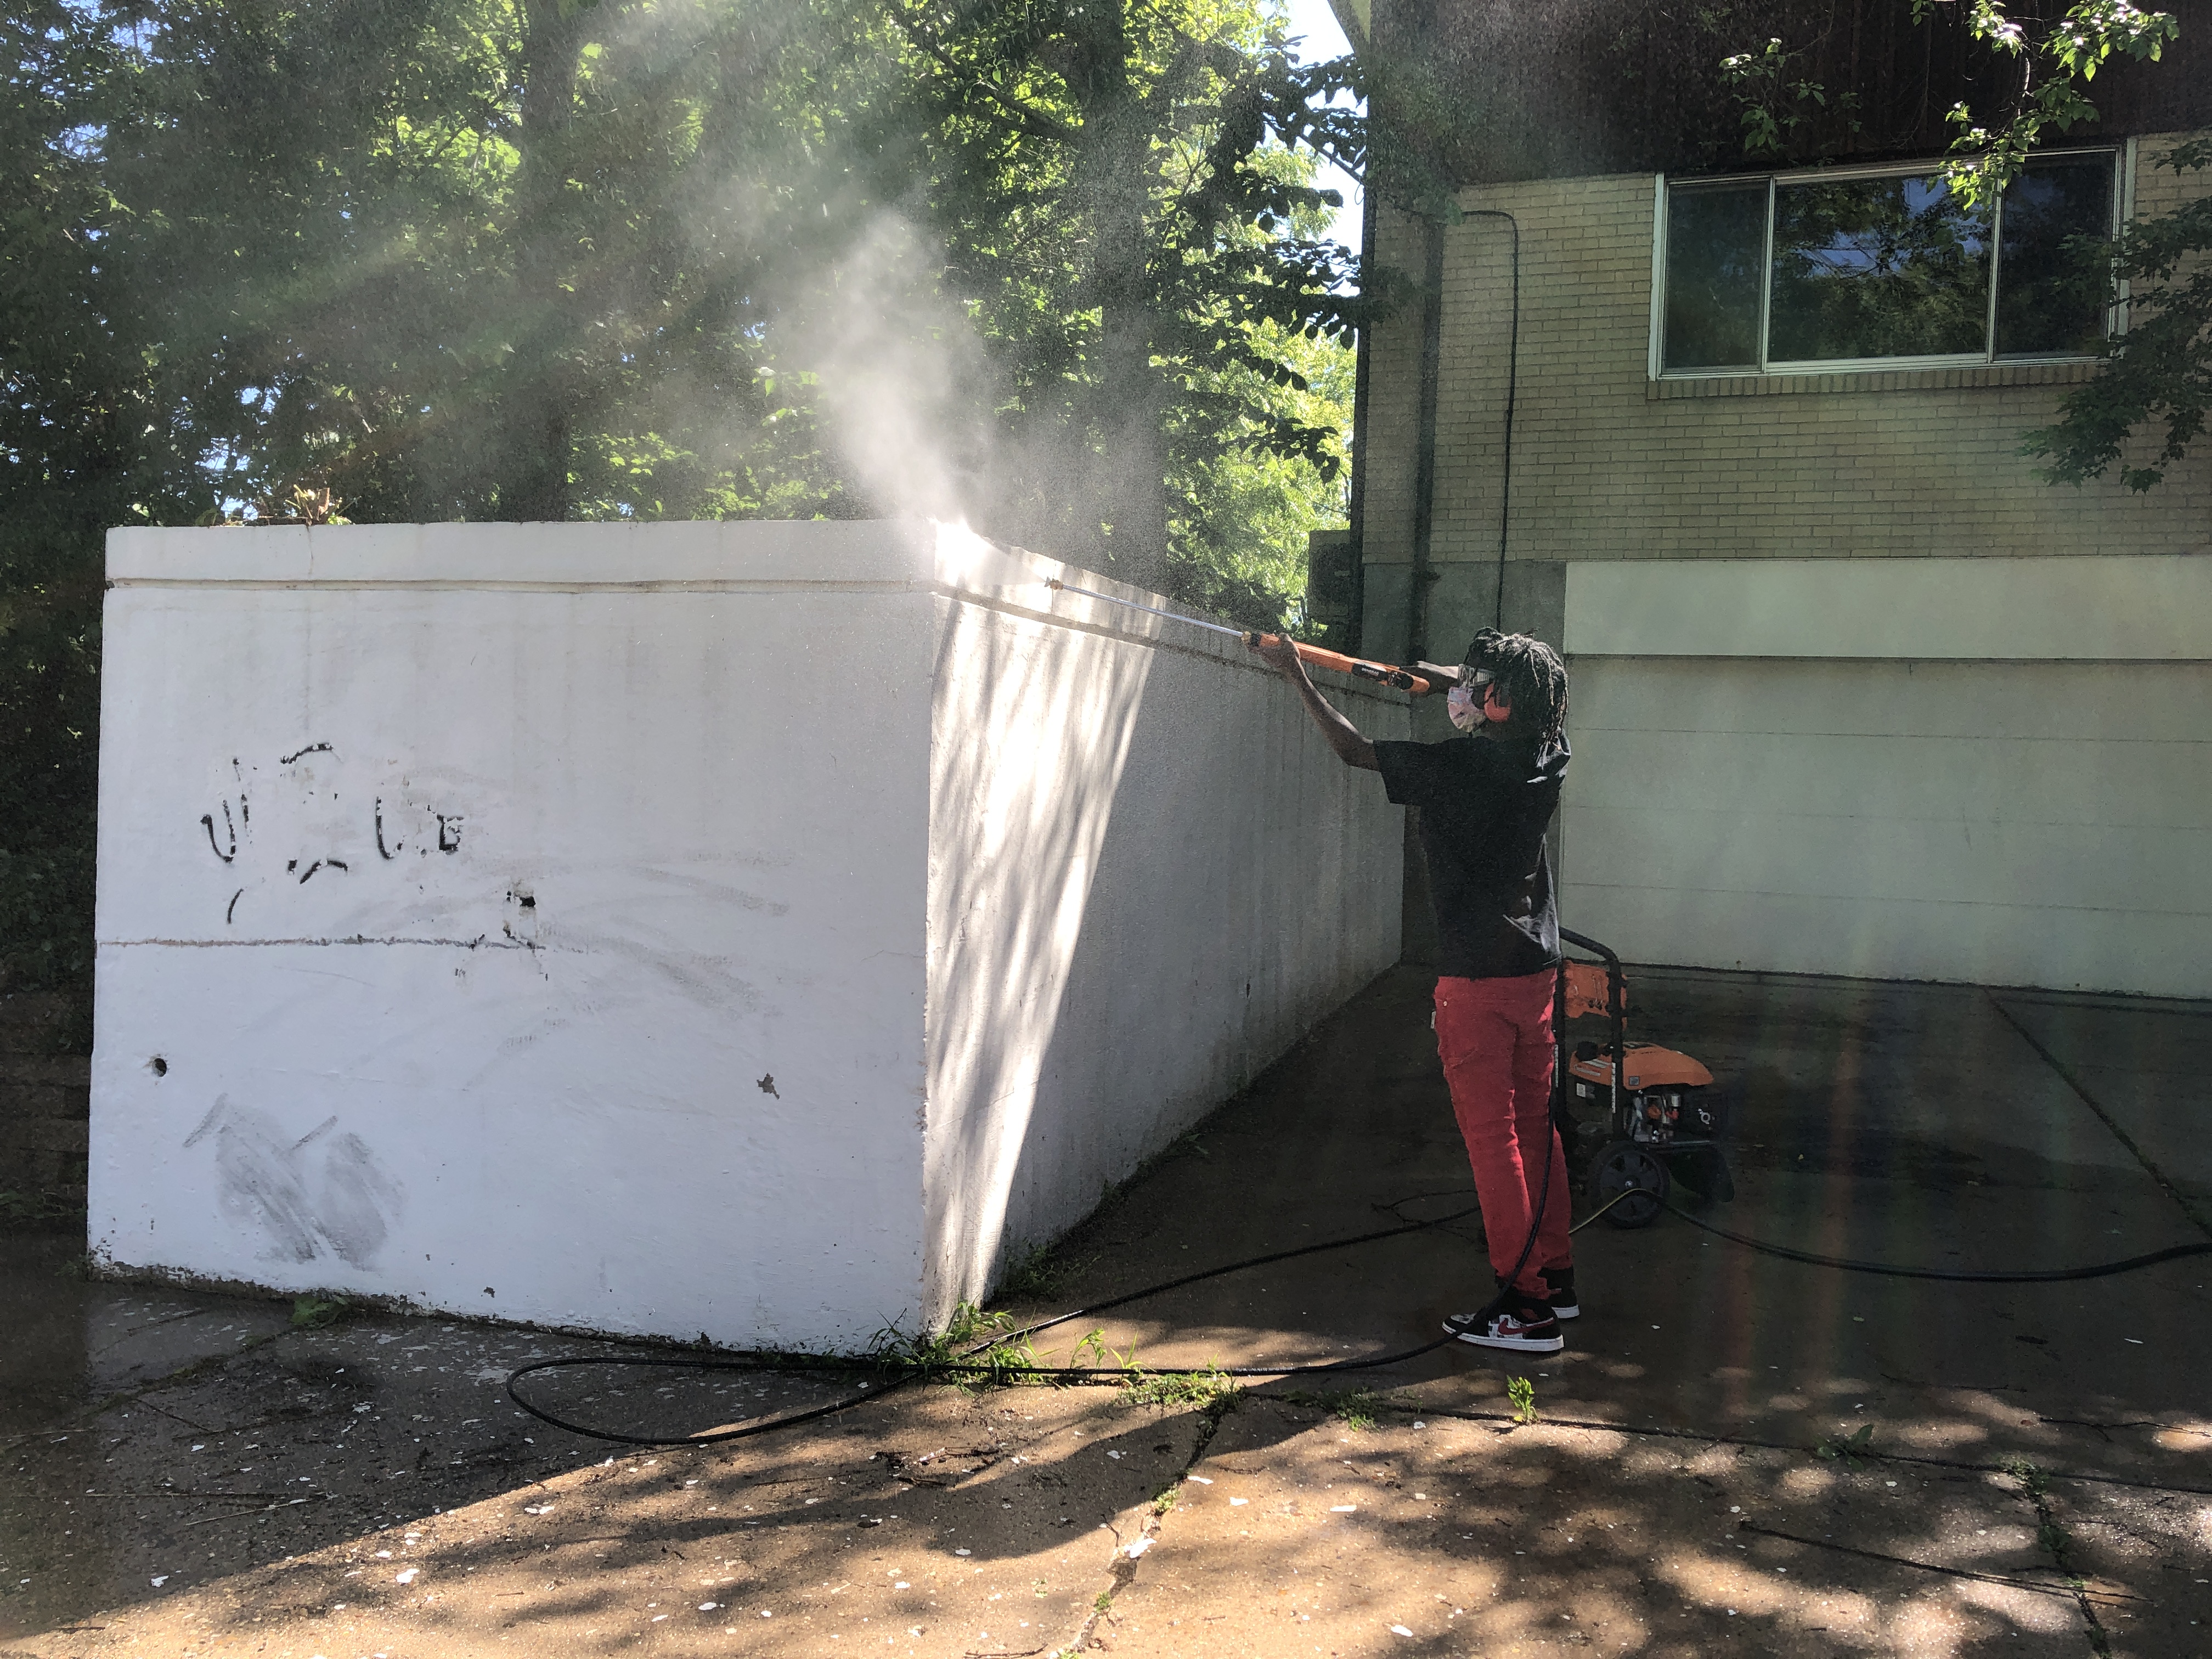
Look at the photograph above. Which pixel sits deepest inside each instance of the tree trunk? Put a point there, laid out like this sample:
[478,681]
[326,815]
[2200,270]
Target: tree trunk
[533,486]
[1113,167]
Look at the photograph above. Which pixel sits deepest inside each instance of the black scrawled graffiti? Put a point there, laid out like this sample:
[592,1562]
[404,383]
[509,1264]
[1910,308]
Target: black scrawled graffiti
[223,841]
[230,830]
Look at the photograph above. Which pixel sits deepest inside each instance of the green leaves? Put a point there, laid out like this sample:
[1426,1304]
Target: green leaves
[1521,1395]
[1851,1449]
[2159,373]
[2072,49]
[410,260]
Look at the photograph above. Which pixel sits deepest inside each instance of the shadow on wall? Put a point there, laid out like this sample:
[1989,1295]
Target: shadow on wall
[1015,851]
[1149,877]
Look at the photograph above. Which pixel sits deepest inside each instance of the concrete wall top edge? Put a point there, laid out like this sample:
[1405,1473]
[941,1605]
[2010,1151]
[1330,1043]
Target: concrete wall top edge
[734,553]
[589,555]
[2120,608]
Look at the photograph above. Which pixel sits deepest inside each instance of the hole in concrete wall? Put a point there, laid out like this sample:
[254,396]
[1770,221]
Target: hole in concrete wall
[159,1067]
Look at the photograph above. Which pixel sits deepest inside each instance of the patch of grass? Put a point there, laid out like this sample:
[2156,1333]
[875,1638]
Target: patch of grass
[1521,1394]
[1849,1450]
[1165,1499]
[311,1313]
[2058,1543]
[1356,1408]
[1203,1388]
[1093,1353]
[966,1340]
[2032,1480]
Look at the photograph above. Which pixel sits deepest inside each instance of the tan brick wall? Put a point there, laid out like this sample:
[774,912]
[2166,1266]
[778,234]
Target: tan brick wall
[1604,467]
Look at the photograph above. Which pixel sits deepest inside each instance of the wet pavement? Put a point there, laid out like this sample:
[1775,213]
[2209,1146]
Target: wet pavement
[2013,1469]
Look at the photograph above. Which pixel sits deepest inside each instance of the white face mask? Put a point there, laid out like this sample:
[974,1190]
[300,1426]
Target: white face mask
[1460,703]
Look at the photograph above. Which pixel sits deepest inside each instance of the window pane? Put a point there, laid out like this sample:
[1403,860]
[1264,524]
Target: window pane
[1877,268]
[1715,239]
[2051,303]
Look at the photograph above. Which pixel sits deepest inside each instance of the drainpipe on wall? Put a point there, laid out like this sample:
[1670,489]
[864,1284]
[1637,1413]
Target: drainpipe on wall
[1357,507]
[1425,451]
[1424,472]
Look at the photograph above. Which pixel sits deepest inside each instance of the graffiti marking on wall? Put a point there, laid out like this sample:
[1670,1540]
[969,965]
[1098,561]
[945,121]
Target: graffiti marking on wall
[317,820]
[324,1193]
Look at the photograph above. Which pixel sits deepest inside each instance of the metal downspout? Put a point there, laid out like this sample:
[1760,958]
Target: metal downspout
[1357,507]
[1425,473]
[1424,452]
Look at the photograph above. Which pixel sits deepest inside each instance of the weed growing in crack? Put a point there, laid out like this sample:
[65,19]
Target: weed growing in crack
[1200,1388]
[1850,1450]
[967,1342]
[1093,1352]
[1356,1408]
[2055,1540]
[1521,1394]
[311,1313]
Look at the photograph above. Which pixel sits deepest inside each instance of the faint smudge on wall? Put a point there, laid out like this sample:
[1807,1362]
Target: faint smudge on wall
[323,1193]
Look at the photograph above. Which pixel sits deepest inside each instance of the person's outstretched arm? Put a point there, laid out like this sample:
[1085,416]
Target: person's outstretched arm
[1343,735]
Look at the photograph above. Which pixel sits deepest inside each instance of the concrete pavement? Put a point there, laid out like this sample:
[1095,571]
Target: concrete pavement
[2038,1476]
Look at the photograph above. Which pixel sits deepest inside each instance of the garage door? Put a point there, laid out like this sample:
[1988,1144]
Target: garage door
[1769,788]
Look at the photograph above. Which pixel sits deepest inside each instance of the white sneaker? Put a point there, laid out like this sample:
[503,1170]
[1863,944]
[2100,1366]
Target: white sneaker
[1525,1329]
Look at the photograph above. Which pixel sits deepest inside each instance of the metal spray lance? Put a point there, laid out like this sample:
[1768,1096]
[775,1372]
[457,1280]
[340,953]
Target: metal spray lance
[1312,655]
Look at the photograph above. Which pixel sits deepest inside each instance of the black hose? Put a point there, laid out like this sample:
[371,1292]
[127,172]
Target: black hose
[1952,1275]
[905,1372]
[901,1372]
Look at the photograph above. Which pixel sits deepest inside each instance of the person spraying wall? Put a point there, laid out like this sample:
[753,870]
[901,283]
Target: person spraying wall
[1486,796]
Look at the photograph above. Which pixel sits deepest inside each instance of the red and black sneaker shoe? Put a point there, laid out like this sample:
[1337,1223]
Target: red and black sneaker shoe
[1559,1282]
[1523,1326]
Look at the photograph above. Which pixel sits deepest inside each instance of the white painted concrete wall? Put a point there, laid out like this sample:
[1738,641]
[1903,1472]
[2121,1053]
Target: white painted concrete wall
[529,920]
[1995,771]
[1148,876]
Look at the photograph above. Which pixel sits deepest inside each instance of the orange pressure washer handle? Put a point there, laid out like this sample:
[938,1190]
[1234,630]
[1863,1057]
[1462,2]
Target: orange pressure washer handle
[1359,667]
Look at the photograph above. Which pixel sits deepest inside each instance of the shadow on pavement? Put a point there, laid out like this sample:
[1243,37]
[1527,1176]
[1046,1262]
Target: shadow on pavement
[2009,1469]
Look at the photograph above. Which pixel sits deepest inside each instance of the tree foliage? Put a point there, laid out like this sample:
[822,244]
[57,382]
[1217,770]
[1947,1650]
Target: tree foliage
[1056,266]
[2054,61]
[2158,371]
[2157,359]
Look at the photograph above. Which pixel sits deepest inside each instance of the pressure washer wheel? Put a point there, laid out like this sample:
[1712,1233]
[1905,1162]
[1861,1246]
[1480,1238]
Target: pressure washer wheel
[1622,1166]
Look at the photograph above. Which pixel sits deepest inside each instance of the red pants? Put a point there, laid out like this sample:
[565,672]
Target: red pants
[1494,1037]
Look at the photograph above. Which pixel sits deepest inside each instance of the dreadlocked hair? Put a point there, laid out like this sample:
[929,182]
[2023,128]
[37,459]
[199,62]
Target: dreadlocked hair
[1532,679]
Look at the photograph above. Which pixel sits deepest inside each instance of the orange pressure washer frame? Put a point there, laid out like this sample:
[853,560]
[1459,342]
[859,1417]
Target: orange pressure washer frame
[1662,1113]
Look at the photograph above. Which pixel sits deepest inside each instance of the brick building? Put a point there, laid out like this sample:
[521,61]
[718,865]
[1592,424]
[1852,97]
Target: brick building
[1854,690]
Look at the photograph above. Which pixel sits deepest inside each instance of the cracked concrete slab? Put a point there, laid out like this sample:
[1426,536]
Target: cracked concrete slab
[1734,1453]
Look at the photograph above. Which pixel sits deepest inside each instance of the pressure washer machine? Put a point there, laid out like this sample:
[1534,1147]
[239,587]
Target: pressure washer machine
[1663,1116]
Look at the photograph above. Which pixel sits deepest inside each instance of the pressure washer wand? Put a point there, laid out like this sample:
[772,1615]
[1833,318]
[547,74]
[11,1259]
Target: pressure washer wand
[1359,667]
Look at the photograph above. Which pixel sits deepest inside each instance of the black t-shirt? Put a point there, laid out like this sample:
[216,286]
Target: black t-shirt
[1485,805]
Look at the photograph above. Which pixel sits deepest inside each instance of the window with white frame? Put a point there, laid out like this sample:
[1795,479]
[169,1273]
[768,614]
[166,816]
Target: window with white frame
[1880,268]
